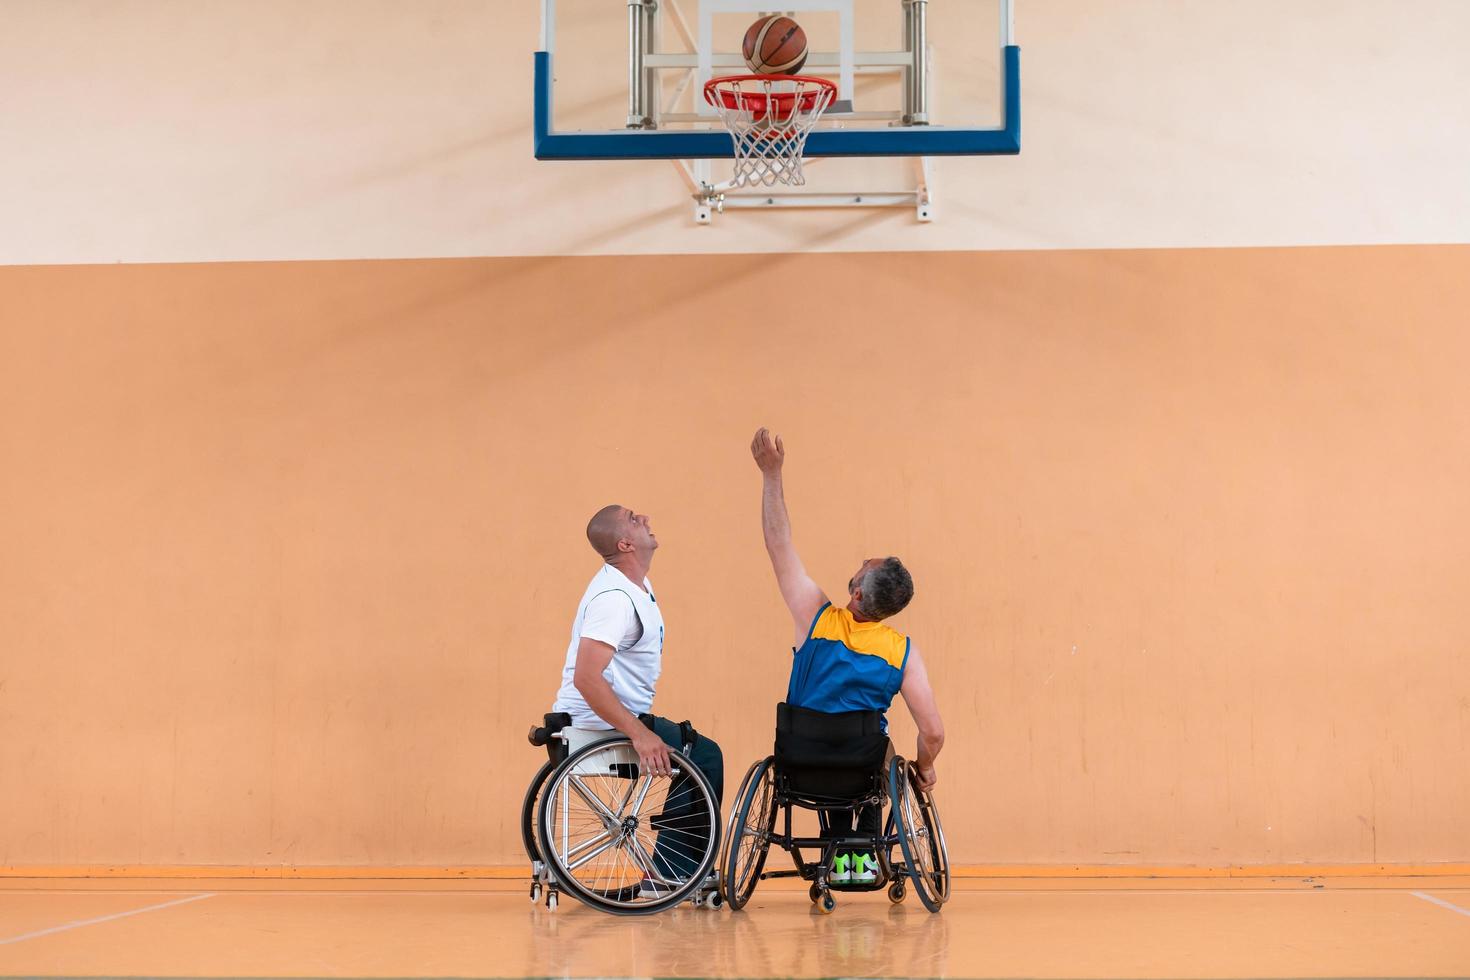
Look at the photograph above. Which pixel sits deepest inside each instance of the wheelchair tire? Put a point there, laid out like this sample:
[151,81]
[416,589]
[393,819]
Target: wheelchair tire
[920,835]
[734,812]
[528,811]
[597,809]
[748,840]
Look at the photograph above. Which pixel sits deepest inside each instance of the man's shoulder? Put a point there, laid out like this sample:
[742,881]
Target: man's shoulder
[836,624]
[611,599]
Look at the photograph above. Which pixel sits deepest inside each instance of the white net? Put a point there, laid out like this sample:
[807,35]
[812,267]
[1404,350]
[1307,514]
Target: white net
[769,118]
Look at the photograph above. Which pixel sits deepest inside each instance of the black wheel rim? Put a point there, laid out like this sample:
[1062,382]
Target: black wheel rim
[528,811]
[750,830]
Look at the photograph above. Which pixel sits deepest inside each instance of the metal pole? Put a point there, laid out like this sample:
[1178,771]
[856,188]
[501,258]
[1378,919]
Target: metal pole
[917,34]
[637,74]
[653,40]
[908,46]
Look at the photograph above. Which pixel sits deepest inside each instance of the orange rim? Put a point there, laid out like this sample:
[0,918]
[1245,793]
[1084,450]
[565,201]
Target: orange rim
[726,91]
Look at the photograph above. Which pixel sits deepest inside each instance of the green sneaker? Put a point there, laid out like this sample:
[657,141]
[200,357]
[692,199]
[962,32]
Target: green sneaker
[864,869]
[841,872]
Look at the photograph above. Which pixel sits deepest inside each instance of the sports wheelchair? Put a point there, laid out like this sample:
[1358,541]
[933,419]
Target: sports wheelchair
[619,840]
[834,764]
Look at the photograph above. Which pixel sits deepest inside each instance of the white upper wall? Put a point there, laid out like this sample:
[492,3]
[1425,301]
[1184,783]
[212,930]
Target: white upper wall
[178,130]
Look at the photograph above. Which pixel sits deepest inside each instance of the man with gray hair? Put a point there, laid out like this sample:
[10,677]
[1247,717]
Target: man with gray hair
[846,659]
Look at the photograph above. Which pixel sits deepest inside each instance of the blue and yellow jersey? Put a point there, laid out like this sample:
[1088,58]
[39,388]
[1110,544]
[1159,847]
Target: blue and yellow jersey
[845,665]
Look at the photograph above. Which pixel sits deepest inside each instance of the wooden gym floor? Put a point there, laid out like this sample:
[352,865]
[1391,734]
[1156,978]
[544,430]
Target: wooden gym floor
[1410,927]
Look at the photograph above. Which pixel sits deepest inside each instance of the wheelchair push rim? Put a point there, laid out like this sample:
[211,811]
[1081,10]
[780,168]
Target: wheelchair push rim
[748,841]
[606,835]
[920,835]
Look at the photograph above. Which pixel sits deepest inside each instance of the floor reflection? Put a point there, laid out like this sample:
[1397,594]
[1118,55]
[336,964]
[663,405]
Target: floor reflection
[780,935]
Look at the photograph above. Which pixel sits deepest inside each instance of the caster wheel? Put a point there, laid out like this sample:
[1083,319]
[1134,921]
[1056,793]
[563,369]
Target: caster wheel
[826,904]
[535,892]
[713,901]
[551,902]
[814,893]
[896,892]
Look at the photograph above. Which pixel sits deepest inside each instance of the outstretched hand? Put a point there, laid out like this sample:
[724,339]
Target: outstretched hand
[769,452]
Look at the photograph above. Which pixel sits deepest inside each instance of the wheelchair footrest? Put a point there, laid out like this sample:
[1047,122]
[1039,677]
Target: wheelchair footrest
[860,886]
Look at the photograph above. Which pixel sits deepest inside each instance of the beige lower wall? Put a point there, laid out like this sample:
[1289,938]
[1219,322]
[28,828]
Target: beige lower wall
[288,552]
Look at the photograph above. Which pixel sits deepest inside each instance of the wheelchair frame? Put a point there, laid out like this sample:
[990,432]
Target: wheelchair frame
[550,875]
[912,825]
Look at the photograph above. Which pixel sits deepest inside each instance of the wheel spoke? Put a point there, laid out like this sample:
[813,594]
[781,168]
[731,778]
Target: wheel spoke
[641,858]
[591,798]
[613,830]
[642,795]
[609,841]
[589,842]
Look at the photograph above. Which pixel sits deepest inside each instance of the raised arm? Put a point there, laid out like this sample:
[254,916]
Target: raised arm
[919,697]
[803,596]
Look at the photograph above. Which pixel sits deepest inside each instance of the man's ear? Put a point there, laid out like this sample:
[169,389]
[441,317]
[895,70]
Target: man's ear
[625,545]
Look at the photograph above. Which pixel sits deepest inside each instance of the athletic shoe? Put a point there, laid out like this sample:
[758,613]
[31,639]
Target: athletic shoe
[651,888]
[864,869]
[841,873]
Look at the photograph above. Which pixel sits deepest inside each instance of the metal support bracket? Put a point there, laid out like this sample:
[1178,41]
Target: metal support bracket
[712,199]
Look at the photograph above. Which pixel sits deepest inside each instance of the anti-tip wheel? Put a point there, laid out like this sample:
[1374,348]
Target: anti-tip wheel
[535,892]
[551,902]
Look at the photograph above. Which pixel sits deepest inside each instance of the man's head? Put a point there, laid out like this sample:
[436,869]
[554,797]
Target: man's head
[881,588]
[616,531]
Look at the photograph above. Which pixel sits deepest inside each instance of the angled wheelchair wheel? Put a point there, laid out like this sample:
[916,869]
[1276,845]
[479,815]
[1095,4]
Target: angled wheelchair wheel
[749,837]
[528,811]
[920,835]
[625,841]
[734,812]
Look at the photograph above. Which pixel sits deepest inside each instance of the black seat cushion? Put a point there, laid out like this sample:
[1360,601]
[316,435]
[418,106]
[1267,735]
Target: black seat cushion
[829,755]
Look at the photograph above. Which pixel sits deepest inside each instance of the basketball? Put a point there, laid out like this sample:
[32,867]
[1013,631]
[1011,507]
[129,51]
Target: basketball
[775,45]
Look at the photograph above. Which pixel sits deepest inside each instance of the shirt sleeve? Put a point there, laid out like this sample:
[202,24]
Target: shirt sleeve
[609,619]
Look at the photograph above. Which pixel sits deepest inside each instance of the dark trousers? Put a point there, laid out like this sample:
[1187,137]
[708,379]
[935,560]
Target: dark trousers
[684,825]
[839,824]
[869,818]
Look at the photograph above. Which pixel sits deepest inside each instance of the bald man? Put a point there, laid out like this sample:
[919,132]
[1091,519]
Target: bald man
[615,658]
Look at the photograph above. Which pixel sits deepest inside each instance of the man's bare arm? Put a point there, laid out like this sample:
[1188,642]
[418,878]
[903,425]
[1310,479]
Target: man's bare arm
[803,596]
[593,656]
[919,697]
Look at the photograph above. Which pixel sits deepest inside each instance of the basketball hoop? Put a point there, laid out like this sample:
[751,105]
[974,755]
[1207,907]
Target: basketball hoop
[769,118]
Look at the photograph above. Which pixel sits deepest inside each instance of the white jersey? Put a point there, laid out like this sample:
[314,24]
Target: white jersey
[616,612]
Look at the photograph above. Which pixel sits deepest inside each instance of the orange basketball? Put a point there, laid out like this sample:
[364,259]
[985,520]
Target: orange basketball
[775,45]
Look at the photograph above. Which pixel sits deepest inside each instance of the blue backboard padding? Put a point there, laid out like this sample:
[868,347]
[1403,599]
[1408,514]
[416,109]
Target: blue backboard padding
[635,144]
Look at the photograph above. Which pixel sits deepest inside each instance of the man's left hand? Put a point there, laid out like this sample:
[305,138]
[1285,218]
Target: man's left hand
[769,452]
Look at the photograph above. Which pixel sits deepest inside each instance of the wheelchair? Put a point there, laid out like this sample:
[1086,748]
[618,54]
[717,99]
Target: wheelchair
[834,764]
[618,840]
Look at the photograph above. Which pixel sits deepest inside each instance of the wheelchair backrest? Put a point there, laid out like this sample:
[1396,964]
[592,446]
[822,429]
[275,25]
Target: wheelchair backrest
[827,755]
